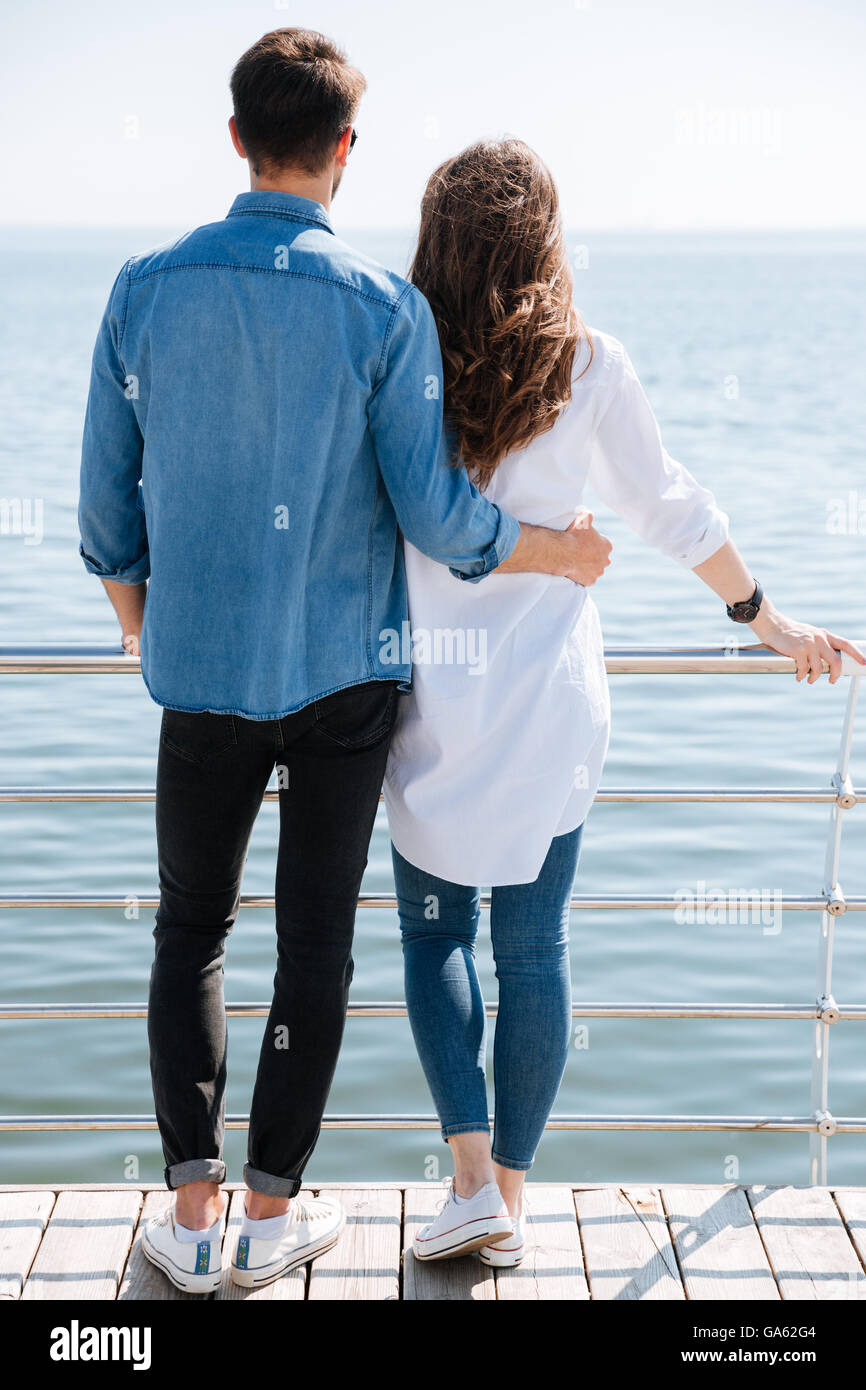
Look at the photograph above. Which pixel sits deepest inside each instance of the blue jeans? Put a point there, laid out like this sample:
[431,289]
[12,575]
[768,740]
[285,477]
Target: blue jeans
[529,931]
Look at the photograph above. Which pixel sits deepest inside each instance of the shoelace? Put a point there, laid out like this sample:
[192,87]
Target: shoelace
[449,1194]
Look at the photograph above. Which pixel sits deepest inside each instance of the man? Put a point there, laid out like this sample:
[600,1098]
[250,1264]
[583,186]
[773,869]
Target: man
[264,414]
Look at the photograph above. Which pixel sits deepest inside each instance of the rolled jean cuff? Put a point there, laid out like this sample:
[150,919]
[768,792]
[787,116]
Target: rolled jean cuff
[268,1185]
[518,1164]
[471,1127]
[195,1170]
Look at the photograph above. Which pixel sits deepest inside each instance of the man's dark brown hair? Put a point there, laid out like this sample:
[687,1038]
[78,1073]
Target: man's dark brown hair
[294,95]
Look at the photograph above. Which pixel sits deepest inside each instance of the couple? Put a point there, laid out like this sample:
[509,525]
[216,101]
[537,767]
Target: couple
[264,444]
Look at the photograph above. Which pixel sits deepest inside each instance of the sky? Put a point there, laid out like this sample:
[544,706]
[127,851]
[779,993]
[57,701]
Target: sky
[670,115]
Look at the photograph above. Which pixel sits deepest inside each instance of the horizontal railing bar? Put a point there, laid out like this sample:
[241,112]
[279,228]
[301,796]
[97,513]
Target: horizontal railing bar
[726,794]
[83,658]
[795,1124]
[825,796]
[80,659]
[397,1009]
[732,902]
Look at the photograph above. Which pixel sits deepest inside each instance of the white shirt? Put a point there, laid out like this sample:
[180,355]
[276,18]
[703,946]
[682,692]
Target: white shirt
[500,745]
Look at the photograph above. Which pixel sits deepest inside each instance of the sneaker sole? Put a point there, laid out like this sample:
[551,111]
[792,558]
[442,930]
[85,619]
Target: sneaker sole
[187,1283]
[475,1235]
[500,1259]
[254,1279]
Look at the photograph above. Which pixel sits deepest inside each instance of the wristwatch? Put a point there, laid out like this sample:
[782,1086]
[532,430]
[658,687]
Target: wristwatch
[747,610]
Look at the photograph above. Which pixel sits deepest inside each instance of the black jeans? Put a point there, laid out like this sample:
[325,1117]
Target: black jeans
[213,771]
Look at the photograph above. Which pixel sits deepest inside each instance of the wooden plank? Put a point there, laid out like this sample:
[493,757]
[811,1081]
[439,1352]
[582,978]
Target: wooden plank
[290,1288]
[807,1244]
[365,1262]
[85,1246]
[460,1279]
[141,1279]
[851,1202]
[313,1185]
[626,1243]
[552,1268]
[160,1186]
[816,1247]
[23,1218]
[720,1252]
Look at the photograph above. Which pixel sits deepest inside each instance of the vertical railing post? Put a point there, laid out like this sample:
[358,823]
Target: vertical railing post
[826,1010]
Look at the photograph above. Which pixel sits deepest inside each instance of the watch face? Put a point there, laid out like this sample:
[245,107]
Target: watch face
[747,610]
[743,612]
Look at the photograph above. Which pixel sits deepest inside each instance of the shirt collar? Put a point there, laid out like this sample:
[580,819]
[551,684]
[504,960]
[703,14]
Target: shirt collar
[267,203]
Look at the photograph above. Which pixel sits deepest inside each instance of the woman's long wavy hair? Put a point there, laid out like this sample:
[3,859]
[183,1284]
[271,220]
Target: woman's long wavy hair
[491,261]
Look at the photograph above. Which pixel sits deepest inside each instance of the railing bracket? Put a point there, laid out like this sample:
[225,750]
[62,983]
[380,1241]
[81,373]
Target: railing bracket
[827,1009]
[826,1123]
[836,901]
[846,797]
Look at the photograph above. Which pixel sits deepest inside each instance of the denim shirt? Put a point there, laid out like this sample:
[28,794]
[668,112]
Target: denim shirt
[264,419]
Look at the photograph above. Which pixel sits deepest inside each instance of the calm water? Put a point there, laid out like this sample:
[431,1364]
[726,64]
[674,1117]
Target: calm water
[752,351]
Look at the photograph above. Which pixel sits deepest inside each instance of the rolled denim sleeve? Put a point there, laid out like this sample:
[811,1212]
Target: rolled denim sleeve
[439,511]
[111,519]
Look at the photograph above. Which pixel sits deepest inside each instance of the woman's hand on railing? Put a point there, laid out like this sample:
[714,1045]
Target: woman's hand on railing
[809,647]
[726,573]
[131,643]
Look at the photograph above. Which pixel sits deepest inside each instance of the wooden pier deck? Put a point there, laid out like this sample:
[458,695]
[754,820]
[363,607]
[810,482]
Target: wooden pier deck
[589,1242]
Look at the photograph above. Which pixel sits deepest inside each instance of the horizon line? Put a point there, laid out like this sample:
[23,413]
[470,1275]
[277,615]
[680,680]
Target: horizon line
[408,227]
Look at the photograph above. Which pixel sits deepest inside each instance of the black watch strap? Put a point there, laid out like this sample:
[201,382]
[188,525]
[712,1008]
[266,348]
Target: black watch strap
[746,611]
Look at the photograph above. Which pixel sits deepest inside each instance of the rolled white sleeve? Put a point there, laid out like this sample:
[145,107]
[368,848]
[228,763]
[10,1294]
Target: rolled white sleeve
[634,475]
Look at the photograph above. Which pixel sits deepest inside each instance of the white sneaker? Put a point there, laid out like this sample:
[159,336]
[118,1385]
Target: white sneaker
[194,1266]
[463,1227]
[508,1252]
[314,1227]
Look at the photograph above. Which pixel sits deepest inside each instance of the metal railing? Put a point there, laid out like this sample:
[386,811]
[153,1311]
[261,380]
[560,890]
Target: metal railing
[830,903]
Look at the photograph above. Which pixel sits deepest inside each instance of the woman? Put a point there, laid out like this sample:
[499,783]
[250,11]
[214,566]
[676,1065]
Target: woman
[499,749]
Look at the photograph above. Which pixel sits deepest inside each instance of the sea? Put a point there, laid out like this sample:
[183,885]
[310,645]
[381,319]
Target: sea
[752,350]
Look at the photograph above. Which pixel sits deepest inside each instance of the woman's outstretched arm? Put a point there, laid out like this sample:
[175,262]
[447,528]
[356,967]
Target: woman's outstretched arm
[663,503]
[727,575]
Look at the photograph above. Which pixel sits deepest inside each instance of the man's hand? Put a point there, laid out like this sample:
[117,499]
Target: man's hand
[591,557]
[580,553]
[128,602]
[809,646]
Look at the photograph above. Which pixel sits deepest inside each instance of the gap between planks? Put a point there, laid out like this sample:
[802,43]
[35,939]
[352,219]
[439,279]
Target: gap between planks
[677,1241]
